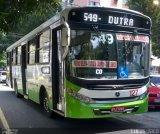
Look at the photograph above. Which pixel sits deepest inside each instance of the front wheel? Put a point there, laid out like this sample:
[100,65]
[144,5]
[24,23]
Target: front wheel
[45,104]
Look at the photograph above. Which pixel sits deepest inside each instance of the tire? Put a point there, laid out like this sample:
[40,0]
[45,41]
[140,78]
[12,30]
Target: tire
[45,104]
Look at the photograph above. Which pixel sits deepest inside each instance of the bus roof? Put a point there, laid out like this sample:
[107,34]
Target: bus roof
[109,8]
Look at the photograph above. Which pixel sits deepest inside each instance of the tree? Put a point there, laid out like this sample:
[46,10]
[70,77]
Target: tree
[11,11]
[19,17]
[148,8]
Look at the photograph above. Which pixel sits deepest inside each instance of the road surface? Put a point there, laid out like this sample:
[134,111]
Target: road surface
[23,116]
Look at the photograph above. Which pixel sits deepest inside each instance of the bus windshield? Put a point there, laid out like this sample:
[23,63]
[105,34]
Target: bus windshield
[107,55]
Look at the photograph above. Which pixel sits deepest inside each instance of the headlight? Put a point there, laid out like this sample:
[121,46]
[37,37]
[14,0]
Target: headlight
[80,97]
[141,97]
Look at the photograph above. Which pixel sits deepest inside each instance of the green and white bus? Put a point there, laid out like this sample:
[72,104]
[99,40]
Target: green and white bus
[85,62]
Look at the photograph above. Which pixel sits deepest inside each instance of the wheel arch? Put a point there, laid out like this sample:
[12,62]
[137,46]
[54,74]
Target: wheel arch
[41,93]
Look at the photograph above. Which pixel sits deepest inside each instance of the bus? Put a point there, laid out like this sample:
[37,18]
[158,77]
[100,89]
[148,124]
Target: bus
[85,62]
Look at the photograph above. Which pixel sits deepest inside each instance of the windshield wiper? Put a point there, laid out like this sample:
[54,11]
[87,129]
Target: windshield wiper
[95,28]
[103,40]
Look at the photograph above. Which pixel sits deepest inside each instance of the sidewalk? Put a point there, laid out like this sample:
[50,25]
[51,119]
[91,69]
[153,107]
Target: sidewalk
[4,87]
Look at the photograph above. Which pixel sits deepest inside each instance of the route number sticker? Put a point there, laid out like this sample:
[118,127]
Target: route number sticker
[134,92]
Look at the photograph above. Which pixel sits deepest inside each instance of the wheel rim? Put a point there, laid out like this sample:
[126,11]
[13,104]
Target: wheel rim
[45,104]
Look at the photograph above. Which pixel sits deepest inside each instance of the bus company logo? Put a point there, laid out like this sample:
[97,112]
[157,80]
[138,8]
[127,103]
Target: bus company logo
[117,94]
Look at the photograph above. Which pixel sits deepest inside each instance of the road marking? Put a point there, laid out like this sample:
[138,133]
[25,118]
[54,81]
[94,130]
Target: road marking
[3,120]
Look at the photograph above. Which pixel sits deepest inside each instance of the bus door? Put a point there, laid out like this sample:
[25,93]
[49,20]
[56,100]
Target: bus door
[57,71]
[23,69]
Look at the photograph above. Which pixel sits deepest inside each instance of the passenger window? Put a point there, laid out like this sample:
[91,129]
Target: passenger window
[14,56]
[44,46]
[19,55]
[32,51]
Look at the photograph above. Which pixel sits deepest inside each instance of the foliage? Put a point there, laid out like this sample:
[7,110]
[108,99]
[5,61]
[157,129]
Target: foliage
[12,11]
[148,8]
[19,17]
[31,21]
[3,60]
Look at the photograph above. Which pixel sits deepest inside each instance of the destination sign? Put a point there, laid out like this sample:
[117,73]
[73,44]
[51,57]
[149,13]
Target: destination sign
[94,63]
[106,16]
[129,37]
[115,20]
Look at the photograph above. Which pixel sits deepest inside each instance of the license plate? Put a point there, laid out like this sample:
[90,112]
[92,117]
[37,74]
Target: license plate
[157,100]
[117,109]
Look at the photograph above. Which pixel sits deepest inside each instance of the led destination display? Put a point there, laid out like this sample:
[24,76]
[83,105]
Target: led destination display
[108,17]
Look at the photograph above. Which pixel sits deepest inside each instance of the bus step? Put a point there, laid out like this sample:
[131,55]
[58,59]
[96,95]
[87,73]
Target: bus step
[59,112]
[59,106]
[26,97]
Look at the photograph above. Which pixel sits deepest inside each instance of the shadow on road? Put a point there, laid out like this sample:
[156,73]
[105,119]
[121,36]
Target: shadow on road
[68,125]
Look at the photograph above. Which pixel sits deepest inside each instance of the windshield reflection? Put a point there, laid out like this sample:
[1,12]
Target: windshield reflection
[106,55]
[133,53]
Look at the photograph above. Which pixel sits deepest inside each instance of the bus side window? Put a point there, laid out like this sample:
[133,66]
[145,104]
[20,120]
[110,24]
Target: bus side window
[43,49]
[19,55]
[32,51]
[14,54]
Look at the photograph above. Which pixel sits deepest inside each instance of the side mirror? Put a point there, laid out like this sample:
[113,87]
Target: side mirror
[65,35]
[64,39]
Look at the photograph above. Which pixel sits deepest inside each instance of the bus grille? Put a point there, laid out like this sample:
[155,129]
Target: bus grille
[114,87]
[115,100]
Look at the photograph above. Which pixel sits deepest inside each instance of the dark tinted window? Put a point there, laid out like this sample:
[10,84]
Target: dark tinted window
[155,79]
[3,73]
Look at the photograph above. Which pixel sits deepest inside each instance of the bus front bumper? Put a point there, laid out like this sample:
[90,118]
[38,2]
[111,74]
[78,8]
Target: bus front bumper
[77,109]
